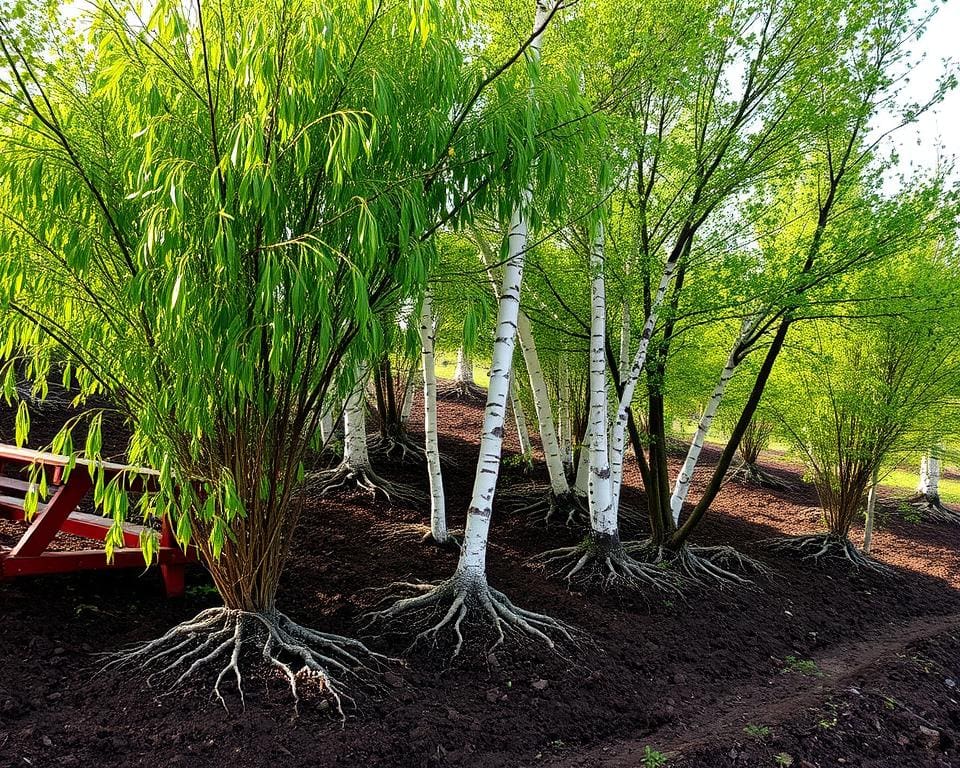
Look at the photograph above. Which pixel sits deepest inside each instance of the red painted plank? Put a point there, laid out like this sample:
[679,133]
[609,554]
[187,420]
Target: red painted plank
[50,520]
[82,560]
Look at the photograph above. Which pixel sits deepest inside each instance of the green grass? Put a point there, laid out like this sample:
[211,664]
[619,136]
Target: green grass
[446,366]
[904,482]
[900,482]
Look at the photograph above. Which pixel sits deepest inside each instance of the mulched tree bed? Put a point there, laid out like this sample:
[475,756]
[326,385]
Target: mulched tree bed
[682,676]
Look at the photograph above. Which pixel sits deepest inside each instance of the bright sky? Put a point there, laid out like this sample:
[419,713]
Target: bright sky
[936,135]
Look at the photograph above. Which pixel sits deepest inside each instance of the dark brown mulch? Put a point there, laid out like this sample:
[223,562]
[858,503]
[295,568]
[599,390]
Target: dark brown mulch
[678,676]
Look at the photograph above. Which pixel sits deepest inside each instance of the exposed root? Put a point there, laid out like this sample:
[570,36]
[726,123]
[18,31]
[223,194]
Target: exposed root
[345,477]
[434,612]
[543,507]
[755,475]
[461,391]
[220,639]
[932,509]
[399,448]
[452,542]
[822,547]
[602,563]
[705,565]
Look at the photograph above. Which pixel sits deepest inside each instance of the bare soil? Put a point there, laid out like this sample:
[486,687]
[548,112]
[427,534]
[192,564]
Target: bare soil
[821,666]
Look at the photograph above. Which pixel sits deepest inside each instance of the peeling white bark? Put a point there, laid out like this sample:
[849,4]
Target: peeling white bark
[682,486]
[438,514]
[603,513]
[542,407]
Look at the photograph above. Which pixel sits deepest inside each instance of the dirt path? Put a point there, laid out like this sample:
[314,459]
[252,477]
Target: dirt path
[785,699]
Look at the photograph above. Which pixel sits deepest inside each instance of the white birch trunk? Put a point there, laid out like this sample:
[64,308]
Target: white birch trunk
[473,553]
[438,515]
[871,507]
[929,477]
[523,434]
[541,404]
[682,486]
[603,513]
[566,427]
[630,379]
[463,374]
[355,426]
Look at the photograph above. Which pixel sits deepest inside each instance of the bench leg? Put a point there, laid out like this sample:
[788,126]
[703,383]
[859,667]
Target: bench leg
[174,581]
[174,576]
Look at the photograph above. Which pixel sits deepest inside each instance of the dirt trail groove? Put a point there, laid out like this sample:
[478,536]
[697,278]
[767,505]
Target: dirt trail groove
[785,699]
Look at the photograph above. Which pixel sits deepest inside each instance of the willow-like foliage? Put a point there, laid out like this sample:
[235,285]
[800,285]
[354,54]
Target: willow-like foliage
[209,212]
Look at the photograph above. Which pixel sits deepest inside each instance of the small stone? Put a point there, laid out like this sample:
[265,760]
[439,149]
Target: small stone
[59,651]
[903,741]
[394,681]
[493,661]
[493,695]
[950,682]
[54,696]
[324,705]
[540,685]
[806,764]
[929,737]
[46,741]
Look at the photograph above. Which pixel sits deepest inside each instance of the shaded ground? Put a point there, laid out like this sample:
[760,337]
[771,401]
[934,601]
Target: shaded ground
[829,668]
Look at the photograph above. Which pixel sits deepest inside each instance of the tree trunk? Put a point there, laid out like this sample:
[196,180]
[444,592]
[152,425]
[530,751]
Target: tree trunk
[463,375]
[871,506]
[566,425]
[474,551]
[523,434]
[682,486]
[541,404]
[326,426]
[603,512]
[929,477]
[408,393]
[438,515]
[581,487]
[355,426]
[629,383]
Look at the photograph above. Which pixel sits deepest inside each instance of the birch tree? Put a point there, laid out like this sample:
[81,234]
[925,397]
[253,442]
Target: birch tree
[467,598]
[600,559]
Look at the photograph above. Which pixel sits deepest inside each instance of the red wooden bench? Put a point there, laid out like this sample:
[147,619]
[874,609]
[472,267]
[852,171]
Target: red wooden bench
[59,513]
